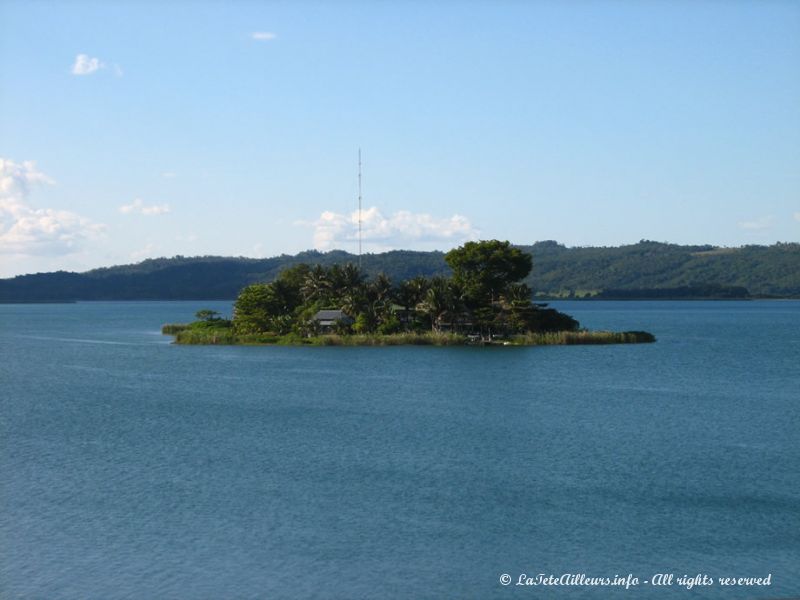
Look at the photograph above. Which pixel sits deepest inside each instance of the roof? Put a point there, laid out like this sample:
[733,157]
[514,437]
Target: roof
[330,315]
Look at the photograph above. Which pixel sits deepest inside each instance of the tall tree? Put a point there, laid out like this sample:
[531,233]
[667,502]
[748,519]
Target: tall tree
[484,270]
[254,308]
[345,280]
[439,303]
[317,285]
[381,287]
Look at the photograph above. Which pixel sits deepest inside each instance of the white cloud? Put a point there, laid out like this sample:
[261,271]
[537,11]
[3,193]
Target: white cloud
[85,65]
[758,224]
[139,207]
[168,174]
[28,231]
[263,36]
[400,230]
[797,216]
[16,178]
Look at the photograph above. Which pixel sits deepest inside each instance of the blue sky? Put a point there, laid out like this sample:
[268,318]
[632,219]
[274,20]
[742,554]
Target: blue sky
[139,129]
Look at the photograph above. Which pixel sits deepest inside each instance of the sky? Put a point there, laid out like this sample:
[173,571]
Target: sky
[138,129]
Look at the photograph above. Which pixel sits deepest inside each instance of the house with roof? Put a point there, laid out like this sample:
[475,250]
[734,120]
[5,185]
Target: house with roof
[328,318]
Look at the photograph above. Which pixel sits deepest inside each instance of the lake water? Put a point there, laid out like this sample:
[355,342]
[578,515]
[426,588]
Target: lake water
[134,468]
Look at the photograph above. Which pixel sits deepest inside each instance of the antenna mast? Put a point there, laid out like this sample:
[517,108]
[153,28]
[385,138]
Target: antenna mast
[359,208]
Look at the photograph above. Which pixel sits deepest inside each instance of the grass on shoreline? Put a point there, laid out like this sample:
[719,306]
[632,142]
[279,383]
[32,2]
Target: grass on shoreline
[174,328]
[188,334]
[568,338]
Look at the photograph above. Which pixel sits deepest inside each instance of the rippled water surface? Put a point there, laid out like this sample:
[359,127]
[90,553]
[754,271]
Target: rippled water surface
[133,468]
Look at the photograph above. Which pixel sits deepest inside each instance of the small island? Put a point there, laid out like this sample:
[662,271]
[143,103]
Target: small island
[484,302]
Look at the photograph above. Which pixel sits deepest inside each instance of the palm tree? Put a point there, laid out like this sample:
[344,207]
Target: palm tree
[437,303]
[352,302]
[317,285]
[381,287]
[351,277]
[380,296]
[418,287]
[344,279]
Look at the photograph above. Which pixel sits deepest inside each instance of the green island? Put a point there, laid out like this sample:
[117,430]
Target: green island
[484,302]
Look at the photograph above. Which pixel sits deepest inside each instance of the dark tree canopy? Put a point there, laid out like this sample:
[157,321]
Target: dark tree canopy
[207,315]
[255,308]
[485,270]
[484,297]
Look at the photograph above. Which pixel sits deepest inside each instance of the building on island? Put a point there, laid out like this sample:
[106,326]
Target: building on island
[327,319]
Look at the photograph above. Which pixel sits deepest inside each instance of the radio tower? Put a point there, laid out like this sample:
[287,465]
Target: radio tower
[359,208]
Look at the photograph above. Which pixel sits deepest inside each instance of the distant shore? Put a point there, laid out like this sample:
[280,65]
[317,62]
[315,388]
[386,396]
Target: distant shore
[536,299]
[647,270]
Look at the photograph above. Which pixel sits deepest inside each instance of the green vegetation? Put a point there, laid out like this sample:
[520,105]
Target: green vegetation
[209,316]
[652,270]
[174,328]
[191,336]
[483,302]
[210,328]
[210,337]
[566,338]
[643,270]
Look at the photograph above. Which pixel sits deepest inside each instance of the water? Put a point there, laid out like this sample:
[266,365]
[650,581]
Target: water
[133,468]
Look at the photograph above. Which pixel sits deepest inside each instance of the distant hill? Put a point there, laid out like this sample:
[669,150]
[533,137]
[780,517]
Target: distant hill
[643,270]
[760,270]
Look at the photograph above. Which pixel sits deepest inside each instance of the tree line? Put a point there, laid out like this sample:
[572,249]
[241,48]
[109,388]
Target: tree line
[558,271]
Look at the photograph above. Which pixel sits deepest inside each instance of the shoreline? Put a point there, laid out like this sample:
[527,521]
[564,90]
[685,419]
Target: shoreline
[187,334]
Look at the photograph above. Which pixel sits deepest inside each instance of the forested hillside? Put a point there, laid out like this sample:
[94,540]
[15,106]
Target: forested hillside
[643,270]
[761,270]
